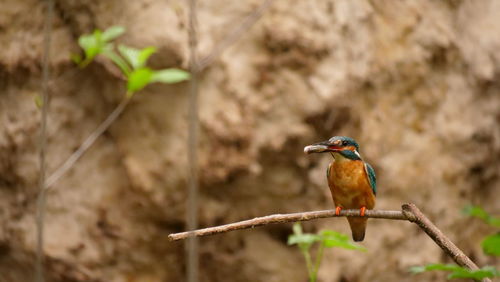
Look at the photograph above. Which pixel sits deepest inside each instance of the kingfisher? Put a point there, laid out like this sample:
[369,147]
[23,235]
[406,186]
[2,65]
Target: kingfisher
[352,181]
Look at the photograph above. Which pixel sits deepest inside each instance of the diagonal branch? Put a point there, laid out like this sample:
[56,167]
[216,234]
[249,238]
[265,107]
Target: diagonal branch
[416,216]
[70,162]
[441,240]
[234,35]
[409,212]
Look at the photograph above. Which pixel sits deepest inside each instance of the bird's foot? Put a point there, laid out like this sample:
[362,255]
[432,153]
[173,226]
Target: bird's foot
[337,210]
[362,211]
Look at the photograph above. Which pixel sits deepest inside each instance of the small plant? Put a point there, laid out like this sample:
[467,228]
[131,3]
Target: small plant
[326,239]
[131,61]
[490,245]
[458,271]
[97,43]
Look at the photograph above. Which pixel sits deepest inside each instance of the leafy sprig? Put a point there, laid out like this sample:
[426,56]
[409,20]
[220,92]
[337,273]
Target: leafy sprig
[326,239]
[491,243]
[458,271]
[97,43]
[477,211]
[131,61]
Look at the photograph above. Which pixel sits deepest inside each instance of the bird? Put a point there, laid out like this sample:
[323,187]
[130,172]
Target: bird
[352,181]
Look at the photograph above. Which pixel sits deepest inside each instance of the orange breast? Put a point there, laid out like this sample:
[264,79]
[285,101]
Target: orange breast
[349,185]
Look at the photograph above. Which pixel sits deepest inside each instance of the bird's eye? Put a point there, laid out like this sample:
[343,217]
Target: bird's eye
[344,143]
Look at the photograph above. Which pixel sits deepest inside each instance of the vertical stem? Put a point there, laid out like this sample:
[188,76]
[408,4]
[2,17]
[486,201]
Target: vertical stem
[309,265]
[192,204]
[319,256]
[40,205]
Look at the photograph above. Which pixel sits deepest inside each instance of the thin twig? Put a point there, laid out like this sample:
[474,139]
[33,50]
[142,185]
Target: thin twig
[192,257]
[40,205]
[319,256]
[234,35]
[53,178]
[284,218]
[409,212]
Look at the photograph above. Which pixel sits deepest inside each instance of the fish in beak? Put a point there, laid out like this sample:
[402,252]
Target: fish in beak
[322,147]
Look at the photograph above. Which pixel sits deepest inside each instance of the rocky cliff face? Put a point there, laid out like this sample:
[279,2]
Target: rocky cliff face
[415,82]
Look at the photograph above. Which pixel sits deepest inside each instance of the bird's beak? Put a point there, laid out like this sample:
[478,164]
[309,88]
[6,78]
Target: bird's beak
[320,148]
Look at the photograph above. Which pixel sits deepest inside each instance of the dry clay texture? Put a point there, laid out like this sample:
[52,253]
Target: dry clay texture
[416,83]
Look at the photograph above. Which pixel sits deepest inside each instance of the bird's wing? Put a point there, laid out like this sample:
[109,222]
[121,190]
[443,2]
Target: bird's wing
[371,177]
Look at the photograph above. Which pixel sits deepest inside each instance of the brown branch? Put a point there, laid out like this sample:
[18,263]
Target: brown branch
[416,216]
[409,212]
[284,218]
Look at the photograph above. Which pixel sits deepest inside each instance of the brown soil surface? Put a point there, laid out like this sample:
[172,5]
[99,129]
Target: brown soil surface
[416,83]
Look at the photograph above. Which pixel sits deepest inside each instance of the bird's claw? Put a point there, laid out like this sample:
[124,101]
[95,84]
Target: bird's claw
[337,210]
[362,211]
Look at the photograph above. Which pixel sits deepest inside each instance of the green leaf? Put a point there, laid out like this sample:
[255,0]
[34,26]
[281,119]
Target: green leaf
[110,53]
[112,33]
[491,244]
[458,271]
[131,55]
[144,55]
[76,58]
[97,43]
[334,234]
[98,36]
[485,272]
[135,57]
[138,79]
[303,239]
[477,211]
[170,76]
[336,239]
[90,45]
[87,41]
[434,266]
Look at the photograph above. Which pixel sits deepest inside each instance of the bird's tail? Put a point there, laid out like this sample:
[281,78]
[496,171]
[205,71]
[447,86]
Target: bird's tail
[358,227]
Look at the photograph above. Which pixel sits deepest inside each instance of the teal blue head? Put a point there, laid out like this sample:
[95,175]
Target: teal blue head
[345,146]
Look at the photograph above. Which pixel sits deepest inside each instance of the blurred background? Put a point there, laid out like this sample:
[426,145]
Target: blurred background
[416,83]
